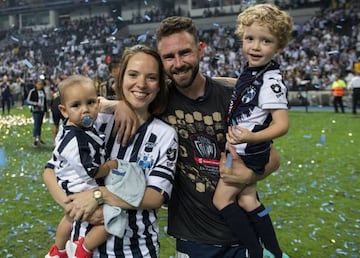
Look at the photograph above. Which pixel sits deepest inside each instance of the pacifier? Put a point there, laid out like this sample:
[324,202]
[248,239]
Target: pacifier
[87,121]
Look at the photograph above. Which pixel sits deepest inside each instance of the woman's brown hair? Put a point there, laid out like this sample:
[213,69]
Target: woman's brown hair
[159,104]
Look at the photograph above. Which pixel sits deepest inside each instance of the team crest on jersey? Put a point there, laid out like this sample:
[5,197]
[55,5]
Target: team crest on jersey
[145,161]
[249,95]
[205,148]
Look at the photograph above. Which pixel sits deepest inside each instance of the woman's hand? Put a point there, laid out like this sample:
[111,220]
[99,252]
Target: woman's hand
[81,206]
[97,218]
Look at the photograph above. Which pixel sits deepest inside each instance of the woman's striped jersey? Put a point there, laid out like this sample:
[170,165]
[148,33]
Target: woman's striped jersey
[154,148]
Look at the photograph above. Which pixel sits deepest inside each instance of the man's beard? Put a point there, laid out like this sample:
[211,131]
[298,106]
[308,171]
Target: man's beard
[187,84]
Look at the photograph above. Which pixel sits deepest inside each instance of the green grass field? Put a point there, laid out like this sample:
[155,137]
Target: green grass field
[314,195]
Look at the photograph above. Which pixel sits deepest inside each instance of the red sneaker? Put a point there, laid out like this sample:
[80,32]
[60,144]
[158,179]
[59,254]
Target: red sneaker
[80,250]
[56,253]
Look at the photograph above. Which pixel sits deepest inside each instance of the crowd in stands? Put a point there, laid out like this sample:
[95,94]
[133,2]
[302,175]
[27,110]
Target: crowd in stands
[283,4]
[155,14]
[325,46]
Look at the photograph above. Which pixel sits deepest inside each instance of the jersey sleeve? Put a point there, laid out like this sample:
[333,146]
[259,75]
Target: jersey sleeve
[161,175]
[273,93]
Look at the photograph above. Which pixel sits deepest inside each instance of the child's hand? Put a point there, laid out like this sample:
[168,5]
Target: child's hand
[238,135]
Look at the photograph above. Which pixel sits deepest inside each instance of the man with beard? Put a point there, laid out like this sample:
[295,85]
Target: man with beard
[198,106]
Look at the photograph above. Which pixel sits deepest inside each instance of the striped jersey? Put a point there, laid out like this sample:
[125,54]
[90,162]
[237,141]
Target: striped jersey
[154,148]
[258,91]
[76,158]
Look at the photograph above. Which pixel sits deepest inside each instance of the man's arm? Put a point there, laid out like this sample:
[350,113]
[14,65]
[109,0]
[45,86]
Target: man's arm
[230,80]
[126,122]
[107,105]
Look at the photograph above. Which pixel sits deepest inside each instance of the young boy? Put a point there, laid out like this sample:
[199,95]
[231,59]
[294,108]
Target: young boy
[78,158]
[257,114]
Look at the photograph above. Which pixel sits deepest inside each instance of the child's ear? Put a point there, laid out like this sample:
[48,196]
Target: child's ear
[63,110]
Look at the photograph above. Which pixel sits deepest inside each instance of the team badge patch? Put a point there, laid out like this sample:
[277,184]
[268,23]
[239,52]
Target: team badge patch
[171,154]
[249,95]
[276,88]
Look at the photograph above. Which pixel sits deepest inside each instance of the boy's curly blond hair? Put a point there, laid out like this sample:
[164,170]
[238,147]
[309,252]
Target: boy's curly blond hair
[279,22]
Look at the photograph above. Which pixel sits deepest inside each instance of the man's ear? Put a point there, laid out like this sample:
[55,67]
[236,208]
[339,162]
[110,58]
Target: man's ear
[201,47]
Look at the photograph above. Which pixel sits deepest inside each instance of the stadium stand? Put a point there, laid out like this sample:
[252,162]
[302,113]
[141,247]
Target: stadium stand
[323,44]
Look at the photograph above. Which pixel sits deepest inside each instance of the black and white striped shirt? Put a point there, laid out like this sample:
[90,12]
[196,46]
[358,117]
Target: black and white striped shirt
[154,148]
[76,158]
[258,91]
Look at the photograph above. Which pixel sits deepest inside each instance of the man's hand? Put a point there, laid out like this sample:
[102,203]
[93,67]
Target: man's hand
[237,173]
[126,123]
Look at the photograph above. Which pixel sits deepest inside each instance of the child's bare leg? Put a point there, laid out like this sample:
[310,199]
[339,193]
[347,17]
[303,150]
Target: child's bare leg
[96,236]
[248,198]
[225,194]
[63,232]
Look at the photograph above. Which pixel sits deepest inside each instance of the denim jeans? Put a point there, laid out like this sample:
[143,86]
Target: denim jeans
[38,117]
[189,249]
